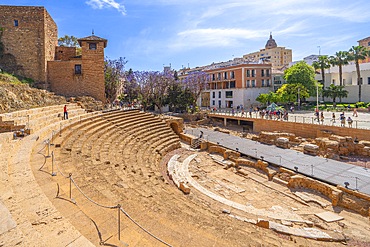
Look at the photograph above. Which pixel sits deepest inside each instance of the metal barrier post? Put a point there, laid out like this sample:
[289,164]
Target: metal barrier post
[70,186]
[311,170]
[119,221]
[295,119]
[48,156]
[356,182]
[52,164]
[356,124]
[60,129]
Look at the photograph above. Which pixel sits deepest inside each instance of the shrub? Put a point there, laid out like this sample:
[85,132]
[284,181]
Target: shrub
[361,104]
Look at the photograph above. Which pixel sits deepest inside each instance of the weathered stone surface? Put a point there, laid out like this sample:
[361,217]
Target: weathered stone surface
[282,142]
[311,149]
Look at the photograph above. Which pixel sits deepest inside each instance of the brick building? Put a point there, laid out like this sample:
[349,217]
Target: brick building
[365,43]
[233,83]
[238,84]
[29,37]
[278,56]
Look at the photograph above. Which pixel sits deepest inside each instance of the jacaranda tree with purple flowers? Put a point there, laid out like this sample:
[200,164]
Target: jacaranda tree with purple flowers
[196,82]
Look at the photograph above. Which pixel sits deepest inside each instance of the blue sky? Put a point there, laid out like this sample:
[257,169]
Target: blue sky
[153,33]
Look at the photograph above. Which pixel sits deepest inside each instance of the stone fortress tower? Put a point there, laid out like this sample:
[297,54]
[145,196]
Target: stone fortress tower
[29,37]
[28,47]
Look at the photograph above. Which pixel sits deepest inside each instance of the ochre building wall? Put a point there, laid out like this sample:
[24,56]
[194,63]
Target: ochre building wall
[29,45]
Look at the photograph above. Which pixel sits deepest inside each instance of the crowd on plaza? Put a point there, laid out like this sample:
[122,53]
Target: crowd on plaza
[283,114]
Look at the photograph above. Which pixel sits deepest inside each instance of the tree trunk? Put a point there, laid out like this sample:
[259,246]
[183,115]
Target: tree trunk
[358,80]
[340,79]
[323,76]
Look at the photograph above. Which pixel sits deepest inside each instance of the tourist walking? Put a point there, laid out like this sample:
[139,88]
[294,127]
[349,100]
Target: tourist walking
[342,119]
[65,112]
[350,121]
[322,117]
[355,111]
[333,118]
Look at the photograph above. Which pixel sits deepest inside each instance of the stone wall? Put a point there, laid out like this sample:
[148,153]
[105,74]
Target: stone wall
[29,45]
[308,130]
[63,79]
[64,53]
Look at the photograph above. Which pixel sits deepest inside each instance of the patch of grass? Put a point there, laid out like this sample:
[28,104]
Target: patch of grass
[15,79]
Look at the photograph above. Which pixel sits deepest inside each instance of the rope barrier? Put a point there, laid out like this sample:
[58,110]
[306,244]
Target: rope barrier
[88,198]
[142,228]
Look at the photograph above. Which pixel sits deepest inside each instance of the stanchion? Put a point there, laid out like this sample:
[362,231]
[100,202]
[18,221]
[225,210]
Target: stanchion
[70,186]
[52,164]
[119,221]
[356,182]
[48,156]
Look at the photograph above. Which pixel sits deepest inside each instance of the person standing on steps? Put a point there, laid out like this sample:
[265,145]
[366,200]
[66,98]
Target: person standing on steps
[65,116]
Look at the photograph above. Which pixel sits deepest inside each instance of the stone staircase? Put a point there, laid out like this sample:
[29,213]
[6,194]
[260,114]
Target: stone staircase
[28,217]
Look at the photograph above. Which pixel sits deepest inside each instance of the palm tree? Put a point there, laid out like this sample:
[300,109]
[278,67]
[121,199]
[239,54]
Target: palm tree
[334,92]
[322,64]
[357,53]
[340,59]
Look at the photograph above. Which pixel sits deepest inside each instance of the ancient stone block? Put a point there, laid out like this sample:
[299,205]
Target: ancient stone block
[282,142]
[311,149]
[263,223]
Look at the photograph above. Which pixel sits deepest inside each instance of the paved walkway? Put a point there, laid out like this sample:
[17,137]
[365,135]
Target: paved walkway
[362,121]
[327,170]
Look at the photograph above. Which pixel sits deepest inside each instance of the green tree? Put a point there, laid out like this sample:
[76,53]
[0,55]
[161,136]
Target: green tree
[357,53]
[292,92]
[179,98]
[322,64]
[69,41]
[334,92]
[267,98]
[302,73]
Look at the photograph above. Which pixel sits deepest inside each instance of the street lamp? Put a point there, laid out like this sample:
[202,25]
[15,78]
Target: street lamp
[317,96]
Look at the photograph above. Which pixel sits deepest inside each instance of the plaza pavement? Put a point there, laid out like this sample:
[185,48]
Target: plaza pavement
[327,170]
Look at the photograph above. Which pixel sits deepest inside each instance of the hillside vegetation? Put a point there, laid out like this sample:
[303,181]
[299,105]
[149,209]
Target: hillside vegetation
[18,95]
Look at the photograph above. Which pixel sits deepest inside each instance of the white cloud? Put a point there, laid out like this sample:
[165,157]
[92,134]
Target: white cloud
[101,4]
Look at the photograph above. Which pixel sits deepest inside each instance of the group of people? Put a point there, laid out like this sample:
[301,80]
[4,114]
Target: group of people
[342,118]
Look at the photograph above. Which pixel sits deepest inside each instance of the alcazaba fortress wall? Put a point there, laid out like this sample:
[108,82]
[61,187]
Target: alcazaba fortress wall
[29,39]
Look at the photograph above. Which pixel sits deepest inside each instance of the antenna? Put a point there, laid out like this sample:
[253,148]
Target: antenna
[92,32]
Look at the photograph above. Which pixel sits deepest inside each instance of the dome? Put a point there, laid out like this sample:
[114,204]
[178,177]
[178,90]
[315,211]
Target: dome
[271,43]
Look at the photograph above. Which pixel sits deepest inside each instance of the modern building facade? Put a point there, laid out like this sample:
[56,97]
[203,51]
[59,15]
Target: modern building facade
[237,85]
[29,37]
[350,80]
[276,55]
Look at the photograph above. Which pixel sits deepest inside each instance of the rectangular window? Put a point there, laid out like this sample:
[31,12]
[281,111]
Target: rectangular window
[92,46]
[219,94]
[368,80]
[267,72]
[213,77]
[333,82]
[225,75]
[232,75]
[232,84]
[78,69]
[219,104]
[253,73]
[267,82]
[213,94]
[213,102]
[229,94]
[262,72]
[263,82]
[219,76]
[248,73]
[248,83]
[16,23]
[253,83]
